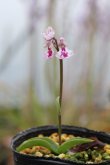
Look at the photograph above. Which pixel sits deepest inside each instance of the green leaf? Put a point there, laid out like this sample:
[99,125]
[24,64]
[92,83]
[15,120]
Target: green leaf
[71,143]
[44,142]
[53,144]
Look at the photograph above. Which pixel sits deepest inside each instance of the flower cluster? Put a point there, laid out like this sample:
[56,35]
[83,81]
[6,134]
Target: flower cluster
[62,50]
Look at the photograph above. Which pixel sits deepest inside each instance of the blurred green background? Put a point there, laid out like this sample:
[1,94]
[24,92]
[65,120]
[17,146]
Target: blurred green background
[29,84]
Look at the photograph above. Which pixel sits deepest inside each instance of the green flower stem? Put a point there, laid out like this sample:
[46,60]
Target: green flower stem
[61,90]
[60,100]
[61,82]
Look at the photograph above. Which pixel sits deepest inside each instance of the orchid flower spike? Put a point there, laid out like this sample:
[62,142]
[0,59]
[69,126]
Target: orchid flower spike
[62,50]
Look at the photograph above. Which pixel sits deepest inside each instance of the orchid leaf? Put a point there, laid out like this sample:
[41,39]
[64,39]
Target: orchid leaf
[44,142]
[51,145]
[71,143]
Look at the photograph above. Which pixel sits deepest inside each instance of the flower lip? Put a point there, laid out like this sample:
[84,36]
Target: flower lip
[49,53]
[64,53]
[49,34]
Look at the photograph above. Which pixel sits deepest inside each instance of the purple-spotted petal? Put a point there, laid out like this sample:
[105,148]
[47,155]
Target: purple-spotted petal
[49,53]
[64,53]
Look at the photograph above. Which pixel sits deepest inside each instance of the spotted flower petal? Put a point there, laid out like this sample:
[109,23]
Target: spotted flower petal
[64,53]
[49,53]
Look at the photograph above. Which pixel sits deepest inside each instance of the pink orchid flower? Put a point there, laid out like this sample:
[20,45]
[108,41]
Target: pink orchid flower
[49,34]
[64,53]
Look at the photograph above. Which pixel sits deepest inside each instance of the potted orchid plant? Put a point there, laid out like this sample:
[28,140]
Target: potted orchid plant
[63,145]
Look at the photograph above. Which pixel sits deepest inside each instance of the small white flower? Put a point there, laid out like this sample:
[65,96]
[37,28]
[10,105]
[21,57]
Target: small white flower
[49,34]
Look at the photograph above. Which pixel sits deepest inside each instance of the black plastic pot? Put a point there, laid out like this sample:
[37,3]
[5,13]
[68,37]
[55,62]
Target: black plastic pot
[20,159]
